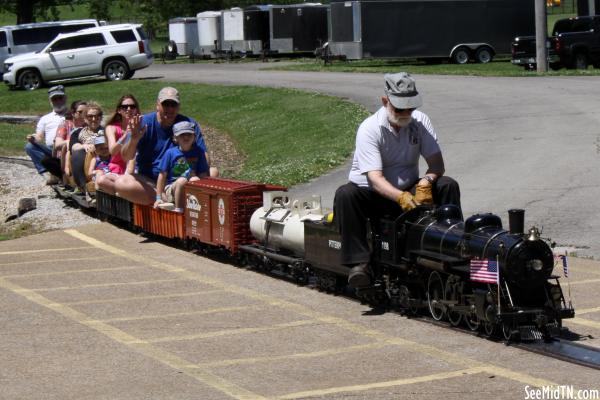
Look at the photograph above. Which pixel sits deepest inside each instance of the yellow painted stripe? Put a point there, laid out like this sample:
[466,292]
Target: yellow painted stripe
[296,356]
[6,253]
[77,271]
[587,310]
[184,314]
[584,281]
[440,354]
[57,261]
[102,285]
[133,298]
[381,385]
[134,343]
[585,322]
[228,332]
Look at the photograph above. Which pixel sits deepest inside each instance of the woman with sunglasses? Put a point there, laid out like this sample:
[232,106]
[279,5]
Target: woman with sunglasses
[116,135]
[81,143]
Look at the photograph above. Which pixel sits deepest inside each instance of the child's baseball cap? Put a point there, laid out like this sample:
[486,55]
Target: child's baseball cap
[183,127]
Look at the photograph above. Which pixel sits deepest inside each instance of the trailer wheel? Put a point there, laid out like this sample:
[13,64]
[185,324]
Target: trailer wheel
[461,55]
[484,55]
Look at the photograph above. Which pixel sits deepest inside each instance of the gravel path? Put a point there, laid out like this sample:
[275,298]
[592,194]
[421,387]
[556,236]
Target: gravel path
[19,181]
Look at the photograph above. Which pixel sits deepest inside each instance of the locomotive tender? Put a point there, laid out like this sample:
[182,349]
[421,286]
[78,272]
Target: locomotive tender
[422,259]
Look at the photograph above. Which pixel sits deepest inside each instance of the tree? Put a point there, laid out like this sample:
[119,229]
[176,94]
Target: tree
[30,10]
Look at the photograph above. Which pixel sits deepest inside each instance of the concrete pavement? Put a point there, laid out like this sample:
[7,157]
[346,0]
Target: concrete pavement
[101,313]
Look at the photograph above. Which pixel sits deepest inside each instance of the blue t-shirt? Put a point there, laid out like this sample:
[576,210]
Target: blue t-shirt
[156,141]
[179,163]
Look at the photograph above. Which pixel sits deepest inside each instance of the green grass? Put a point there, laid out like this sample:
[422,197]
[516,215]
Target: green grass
[12,138]
[288,136]
[501,67]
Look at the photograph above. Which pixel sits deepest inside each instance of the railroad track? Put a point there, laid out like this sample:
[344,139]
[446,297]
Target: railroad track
[15,160]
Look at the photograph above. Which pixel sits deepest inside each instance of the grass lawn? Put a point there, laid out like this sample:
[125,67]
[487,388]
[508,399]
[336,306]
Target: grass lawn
[12,138]
[288,136]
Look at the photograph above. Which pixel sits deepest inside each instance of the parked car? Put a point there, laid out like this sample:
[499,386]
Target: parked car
[26,38]
[115,51]
[573,44]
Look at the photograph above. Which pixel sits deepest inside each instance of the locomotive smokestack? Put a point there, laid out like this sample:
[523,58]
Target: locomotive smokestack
[516,221]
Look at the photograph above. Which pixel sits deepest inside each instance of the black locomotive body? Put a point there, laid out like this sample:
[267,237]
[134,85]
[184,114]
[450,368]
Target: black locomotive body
[422,259]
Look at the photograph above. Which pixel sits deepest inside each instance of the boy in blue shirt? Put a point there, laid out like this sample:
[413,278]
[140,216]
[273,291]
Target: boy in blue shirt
[180,164]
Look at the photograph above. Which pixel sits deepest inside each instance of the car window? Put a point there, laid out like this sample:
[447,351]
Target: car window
[2,39]
[572,25]
[123,36]
[142,34]
[78,42]
[44,34]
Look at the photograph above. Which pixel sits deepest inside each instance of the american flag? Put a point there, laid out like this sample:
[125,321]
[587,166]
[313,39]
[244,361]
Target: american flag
[485,271]
[565,264]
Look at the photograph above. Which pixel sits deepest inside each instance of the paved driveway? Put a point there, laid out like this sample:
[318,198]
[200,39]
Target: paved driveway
[530,143]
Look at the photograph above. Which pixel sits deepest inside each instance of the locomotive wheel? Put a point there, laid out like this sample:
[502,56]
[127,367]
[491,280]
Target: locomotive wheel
[472,322]
[489,329]
[450,294]
[435,296]
[507,331]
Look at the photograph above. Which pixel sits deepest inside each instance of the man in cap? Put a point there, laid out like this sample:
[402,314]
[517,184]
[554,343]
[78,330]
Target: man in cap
[151,136]
[40,144]
[384,177]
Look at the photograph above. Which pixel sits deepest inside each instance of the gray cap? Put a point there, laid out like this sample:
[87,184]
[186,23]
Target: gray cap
[183,127]
[400,88]
[99,140]
[58,90]
[168,93]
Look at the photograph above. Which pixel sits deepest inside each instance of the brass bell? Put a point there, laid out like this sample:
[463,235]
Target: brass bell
[534,234]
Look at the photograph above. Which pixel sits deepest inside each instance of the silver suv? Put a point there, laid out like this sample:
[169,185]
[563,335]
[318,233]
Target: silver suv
[115,51]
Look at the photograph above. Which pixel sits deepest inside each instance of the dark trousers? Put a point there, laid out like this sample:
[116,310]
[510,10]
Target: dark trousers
[353,206]
[52,165]
[78,167]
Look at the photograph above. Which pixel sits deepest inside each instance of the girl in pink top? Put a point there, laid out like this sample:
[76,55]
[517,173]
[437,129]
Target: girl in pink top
[116,132]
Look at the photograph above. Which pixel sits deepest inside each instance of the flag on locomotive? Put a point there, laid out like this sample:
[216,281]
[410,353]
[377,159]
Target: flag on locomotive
[485,271]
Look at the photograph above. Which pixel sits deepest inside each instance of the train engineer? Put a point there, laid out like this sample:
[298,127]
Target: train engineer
[384,177]
[180,164]
[151,136]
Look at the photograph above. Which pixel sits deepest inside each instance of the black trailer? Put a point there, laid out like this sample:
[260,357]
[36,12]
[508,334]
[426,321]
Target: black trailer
[430,29]
[298,28]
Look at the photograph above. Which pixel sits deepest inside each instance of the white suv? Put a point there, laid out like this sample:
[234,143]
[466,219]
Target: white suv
[115,51]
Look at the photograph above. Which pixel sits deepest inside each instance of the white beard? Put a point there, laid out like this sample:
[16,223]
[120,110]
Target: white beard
[398,121]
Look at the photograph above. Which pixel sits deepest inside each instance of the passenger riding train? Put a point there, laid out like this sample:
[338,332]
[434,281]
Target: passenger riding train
[425,261]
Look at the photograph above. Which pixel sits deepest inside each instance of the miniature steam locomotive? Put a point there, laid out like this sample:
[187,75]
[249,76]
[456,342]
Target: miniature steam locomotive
[423,260]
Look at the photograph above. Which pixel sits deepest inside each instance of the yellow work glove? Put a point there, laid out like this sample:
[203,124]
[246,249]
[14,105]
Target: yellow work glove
[406,201]
[423,194]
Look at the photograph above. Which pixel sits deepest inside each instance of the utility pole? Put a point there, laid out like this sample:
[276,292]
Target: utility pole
[591,7]
[541,32]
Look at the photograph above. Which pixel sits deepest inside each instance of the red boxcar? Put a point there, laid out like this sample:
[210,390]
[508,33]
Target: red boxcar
[218,210]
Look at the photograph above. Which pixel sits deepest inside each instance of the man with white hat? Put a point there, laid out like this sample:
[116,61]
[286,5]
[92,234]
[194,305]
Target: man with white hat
[384,177]
[40,144]
[148,140]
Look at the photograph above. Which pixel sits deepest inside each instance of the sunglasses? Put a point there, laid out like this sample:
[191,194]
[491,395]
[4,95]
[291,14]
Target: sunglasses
[402,110]
[127,106]
[169,103]
[93,116]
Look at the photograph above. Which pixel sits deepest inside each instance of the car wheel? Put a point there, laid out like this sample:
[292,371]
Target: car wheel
[116,70]
[580,61]
[484,55]
[461,55]
[555,66]
[30,79]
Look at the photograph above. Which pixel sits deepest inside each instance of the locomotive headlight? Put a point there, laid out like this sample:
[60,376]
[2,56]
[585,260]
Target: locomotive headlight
[535,265]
